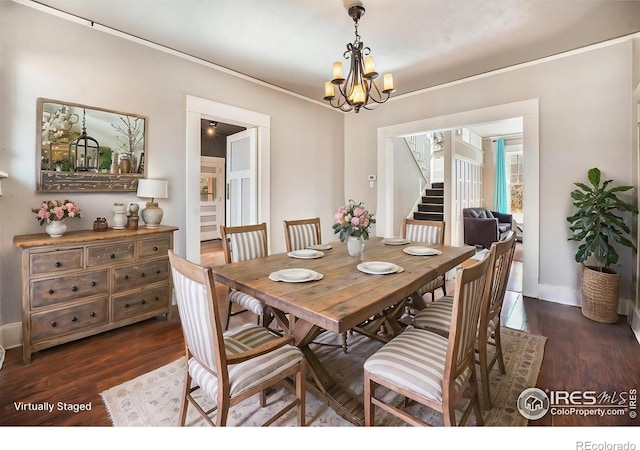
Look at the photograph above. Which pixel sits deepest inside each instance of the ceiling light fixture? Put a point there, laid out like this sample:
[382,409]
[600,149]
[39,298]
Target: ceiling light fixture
[358,89]
[213,125]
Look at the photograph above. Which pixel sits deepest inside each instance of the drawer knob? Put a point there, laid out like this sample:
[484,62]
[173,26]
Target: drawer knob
[126,277]
[157,298]
[113,255]
[93,283]
[74,318]
[126,305]
[92,314]
[155,249]
[74,288]
[158,272]
[58,264]
[142,275]
[143,302]
[54,324]
[50,291]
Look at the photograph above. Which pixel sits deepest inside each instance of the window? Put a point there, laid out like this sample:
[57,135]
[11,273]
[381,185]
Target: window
[515,179]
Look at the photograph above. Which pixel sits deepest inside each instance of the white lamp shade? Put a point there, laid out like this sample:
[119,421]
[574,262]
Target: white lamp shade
[153,188]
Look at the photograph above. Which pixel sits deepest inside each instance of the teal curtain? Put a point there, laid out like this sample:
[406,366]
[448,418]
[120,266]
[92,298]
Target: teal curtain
[500,189]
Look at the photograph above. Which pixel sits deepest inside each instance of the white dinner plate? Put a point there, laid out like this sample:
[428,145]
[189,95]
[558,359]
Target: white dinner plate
[295,275]
[421,251]
[378,267]
[305,254]
[320,247]
[395,241]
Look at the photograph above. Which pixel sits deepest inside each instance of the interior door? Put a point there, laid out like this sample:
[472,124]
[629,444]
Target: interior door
[242,177]
[212,205]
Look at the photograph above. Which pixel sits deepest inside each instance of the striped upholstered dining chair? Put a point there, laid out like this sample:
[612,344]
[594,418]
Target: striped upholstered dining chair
[426,232]
[229,367]
[430,369]
[437,316]
[243,243]
[302,233]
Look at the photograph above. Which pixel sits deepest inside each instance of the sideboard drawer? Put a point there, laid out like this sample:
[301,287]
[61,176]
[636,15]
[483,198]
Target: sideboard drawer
[142,302]
[109,254]
[154,247]
[59,322]
[56,290]
[55,261]
[134,276]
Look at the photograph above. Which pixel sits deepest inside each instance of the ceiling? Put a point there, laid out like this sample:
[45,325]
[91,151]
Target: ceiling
[291,44]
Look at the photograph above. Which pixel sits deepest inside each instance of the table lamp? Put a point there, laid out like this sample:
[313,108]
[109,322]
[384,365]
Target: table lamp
[152,214]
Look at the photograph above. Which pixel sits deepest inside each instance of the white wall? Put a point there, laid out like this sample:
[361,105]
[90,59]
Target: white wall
[409,180]
[46,56]
[585,121]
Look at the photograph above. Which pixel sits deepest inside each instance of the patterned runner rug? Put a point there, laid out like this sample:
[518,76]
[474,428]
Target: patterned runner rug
[153,399]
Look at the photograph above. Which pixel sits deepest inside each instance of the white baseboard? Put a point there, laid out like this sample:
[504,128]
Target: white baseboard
[11,335]
[557,294]
[573,297]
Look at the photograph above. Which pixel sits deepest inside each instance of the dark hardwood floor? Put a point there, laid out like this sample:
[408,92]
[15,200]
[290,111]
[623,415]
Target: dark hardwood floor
[579,355]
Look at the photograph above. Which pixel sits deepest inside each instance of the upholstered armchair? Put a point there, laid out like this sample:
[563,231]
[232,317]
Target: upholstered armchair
[483,227]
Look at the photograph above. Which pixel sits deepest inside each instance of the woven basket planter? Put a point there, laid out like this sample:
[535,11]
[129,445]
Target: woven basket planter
[600,293]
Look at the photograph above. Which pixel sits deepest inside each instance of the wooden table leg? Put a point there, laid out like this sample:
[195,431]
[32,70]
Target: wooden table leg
[384,326]
[321,382]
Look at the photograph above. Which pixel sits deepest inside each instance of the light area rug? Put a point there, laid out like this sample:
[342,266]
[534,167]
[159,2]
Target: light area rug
[153,399]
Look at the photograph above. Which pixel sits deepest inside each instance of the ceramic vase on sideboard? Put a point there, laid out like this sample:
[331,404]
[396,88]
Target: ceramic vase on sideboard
[56,228]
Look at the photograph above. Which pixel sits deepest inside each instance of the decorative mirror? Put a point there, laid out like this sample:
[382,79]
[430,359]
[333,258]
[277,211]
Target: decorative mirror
[83,148]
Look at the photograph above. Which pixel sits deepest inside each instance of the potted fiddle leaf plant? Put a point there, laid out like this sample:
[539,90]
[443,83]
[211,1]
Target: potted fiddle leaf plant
[597,225]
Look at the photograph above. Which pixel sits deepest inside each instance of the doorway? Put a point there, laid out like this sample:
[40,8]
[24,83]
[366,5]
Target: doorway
[528,110]
[198,109]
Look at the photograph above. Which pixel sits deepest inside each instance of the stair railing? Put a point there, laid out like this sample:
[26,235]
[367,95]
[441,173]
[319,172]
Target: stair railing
[419,147]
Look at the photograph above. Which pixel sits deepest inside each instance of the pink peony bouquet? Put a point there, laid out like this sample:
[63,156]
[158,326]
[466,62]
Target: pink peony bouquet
[56,210]
[353,220]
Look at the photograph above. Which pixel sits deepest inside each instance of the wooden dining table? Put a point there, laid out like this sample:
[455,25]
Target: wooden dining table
[344,299]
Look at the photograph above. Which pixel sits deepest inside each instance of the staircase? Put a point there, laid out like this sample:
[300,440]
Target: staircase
[432,205]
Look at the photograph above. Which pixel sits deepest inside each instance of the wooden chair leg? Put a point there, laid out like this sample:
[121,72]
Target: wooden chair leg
[301,392]
[344,342]
[475,398]
[226,324]
[184,404]
[449,414]
[484,373]
[369,391]
[498,341]
[263,398]
[223,412]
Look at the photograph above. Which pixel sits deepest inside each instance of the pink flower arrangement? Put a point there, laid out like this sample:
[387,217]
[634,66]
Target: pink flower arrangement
[56,210]
[353,219]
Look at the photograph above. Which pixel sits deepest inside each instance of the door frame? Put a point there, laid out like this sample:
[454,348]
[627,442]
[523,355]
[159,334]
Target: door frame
[198,108]
[215,161]
[529,111]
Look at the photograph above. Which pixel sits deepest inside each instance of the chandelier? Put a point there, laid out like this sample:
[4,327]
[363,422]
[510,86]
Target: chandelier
[358,89]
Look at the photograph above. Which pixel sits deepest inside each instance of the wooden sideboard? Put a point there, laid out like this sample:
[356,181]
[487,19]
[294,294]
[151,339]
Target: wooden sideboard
[87,282]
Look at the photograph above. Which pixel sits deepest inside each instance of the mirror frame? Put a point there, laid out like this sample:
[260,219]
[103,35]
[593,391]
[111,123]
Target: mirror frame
[86,181]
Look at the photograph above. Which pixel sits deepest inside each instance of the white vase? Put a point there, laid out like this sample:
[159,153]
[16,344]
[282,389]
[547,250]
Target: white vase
[355,245]
[56,228]
[119,219]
